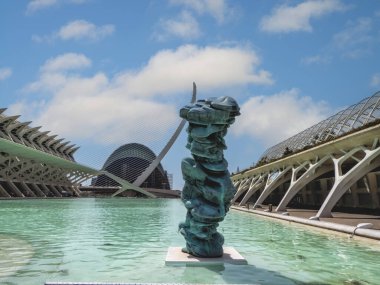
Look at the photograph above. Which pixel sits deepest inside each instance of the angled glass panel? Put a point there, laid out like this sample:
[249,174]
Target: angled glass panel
[353,117]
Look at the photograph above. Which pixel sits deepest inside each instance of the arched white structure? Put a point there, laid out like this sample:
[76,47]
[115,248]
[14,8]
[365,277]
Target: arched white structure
[342,150]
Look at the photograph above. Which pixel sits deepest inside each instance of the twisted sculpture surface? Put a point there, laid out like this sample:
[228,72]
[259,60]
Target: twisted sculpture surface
[208,189]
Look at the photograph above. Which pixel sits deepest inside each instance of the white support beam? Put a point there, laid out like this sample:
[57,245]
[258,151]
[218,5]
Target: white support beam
[296,184]
[55,190]
[125,185]
[27,189]
[247,185]
[37,190]
[72,151]
[272,184]
[344,181]
[45,190]
[4,192]
[76,190]
[243,186]
[63,189]
[82,178]
[254,188]
[24,166]
[15,189]
[52,190]
[50,141]
[8,120]
[28,133]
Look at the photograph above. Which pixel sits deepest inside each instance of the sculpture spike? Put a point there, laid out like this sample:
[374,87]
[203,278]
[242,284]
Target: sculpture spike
[145,174]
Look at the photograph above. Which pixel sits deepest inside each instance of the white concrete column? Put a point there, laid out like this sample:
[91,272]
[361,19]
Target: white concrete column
[62,189]
[27,189]
[314,171]
[45,190]
[260,182]
[37,190]
[15,189]
[54,190]
[76,190]
[271,185]
[4,192]
[243,186]
[343,182]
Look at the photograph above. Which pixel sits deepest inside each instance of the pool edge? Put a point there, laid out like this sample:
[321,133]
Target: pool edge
[352,230]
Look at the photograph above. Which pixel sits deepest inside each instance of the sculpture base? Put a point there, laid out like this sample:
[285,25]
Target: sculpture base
[175,257]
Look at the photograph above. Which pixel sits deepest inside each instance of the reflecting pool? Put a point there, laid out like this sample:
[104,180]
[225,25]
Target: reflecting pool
[126,240]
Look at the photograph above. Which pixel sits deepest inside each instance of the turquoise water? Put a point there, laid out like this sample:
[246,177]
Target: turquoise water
[126,240]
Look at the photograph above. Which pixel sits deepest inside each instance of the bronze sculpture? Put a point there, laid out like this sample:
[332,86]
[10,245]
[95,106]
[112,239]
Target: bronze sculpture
[208,189]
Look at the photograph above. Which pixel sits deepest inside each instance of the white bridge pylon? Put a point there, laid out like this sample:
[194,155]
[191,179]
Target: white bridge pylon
[345,160]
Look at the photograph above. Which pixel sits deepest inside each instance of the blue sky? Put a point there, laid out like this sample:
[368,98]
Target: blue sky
[105,73]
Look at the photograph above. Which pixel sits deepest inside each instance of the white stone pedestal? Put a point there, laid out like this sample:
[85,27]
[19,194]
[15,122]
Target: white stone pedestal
[175,257]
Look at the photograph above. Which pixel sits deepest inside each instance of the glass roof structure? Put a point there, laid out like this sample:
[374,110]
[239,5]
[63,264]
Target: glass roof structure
[355,117]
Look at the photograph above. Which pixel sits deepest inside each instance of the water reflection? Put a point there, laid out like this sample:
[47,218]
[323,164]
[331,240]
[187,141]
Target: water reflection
[125,240]
[15,253]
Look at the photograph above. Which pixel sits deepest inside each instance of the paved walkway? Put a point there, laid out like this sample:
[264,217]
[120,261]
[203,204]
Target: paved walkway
[341,222]
[339,218]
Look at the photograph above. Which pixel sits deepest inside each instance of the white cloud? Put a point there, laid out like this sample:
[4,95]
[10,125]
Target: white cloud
[5,72]
[89,108]
[185,26]
[271,119]
[356,39]
[77,30]
[53,72]
[375,80]
[210,67]
[67,61]
[355,33]
[317,59]
[132,105]
[218,9]
[93,108]
[22,107]
[35,5]
[81,29]
[43,39]
[285,19]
